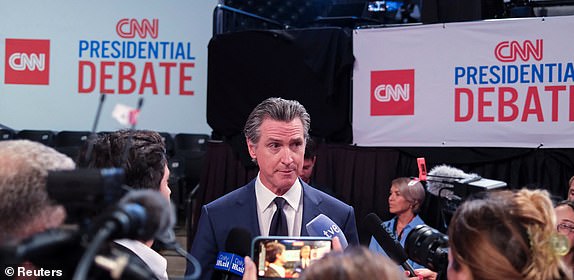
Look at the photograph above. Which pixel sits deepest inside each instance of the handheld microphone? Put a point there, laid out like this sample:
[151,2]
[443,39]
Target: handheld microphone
[323,226]
[391,246]
[140,215]
[236,247]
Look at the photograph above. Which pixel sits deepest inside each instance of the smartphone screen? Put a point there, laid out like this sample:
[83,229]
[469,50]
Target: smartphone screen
[286,257]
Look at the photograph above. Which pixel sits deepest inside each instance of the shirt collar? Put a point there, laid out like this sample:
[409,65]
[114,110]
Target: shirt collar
[266,197]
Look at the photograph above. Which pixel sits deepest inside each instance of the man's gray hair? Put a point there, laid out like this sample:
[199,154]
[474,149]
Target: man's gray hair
[277,109]
[25,206]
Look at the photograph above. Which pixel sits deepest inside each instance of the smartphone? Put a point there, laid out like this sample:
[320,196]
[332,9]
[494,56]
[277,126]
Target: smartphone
[280,257]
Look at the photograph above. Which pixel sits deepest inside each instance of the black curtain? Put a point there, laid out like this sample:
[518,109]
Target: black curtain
[361,176]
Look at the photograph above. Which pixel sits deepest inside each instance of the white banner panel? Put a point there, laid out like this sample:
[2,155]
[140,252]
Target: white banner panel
[505,83]
[58,56]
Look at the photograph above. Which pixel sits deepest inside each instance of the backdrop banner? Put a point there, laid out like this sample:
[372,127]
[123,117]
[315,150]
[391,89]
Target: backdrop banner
[501,83]
[59,56]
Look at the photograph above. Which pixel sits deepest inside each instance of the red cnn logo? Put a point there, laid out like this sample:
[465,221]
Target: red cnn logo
[128,27]
[509,51]
[393,92]
[27,62]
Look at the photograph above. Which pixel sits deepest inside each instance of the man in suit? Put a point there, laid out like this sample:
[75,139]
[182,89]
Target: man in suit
[274,257]
[276,132]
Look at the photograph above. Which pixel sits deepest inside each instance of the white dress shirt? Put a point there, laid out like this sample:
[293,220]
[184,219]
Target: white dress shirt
[293,209]
[156,262]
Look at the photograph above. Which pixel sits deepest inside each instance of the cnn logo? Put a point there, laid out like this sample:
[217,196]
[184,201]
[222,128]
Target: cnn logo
[129,27]
[392,92]
[27,61]
[510,51]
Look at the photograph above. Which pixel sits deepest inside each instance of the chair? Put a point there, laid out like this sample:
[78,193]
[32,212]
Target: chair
[177,182]
[70,142]
[190,150]
[45,137]
[169,143]
[7,134]
[191,142]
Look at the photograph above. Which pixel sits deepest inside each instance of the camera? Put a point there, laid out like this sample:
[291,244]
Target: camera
[429,247]
[85,193]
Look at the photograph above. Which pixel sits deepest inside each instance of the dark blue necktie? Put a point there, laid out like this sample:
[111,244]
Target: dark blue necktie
[279,222]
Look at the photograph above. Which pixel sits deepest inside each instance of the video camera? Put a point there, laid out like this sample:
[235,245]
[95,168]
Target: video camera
[100,208]
[429,247]
[86,192]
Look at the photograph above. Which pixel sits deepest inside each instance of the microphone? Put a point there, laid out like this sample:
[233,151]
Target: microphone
[93,135]
[140,215]
[391,246]
[237,246]
[323,226]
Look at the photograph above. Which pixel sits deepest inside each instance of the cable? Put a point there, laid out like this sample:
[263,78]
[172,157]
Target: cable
[89,255]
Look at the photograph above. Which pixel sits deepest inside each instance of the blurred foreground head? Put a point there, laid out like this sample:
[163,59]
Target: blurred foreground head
[506,235]
[25,208]
[355,263]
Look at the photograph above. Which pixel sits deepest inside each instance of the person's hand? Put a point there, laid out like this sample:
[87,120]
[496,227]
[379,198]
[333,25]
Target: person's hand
[337,247]
[250,272]
[422,274]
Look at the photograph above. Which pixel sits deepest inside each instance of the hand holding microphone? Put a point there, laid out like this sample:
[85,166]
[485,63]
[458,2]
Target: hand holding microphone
[236,249]
[323,226]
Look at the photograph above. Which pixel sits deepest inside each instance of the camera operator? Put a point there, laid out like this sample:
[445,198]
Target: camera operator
[142,155]
[25,208]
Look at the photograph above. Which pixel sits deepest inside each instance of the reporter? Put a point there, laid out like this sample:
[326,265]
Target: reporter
[506,235]
[142,155]
[405,199]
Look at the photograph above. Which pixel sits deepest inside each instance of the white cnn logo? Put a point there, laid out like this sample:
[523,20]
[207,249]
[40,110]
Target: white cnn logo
[385,93]
[23,61]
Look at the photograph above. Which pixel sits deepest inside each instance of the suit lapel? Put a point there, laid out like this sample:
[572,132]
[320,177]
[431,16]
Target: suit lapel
[247,205]
[311,206]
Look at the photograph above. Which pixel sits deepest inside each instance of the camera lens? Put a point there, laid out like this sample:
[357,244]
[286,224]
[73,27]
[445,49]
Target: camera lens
[429,247]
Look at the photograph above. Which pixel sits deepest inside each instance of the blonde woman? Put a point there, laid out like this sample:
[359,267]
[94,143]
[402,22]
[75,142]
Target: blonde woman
[405,199]
[506,235]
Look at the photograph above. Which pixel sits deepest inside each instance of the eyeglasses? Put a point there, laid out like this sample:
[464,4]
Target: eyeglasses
[565,228]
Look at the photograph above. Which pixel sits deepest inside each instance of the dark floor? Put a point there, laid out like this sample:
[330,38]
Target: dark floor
[176,263]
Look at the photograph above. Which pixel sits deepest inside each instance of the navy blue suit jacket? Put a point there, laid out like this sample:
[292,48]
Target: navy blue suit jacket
[238,209]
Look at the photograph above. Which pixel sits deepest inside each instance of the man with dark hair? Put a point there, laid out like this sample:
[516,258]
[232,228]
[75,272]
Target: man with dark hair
[274,257]
[142,155]
[277,202]
[309,160]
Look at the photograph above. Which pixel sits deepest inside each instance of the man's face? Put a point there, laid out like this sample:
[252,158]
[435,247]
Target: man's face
[164,186]
[305,252]
[279,153]
[565,221]
[571,192]
[307,170]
